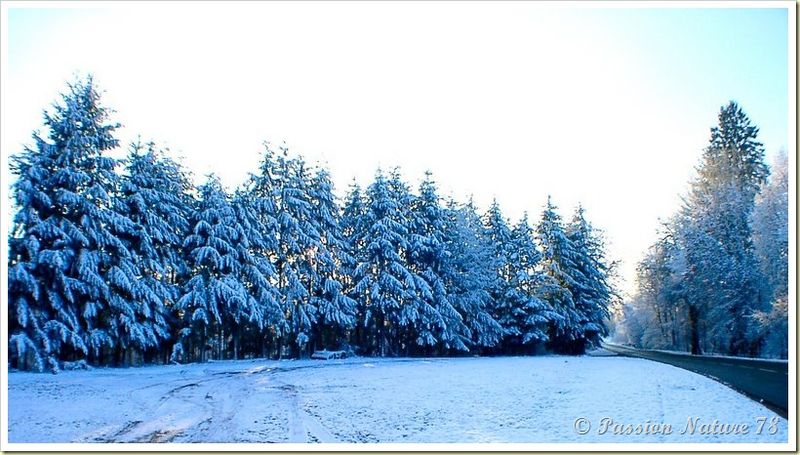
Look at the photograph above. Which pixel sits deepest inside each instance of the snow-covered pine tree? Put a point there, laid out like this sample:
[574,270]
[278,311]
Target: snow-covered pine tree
[383,283]
[524,311]
[439,323]
[592,293]
[498,235]
[336,310]
[723,279]
[214,298]
[256,230]
[557,270]
[470,274]
[353,232]
[73,286]
[155,196]
[298,240]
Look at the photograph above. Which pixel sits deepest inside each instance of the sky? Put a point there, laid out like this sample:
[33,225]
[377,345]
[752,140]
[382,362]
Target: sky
[609,107]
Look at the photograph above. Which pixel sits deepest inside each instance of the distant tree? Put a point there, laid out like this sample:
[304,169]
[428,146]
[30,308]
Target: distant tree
[660,293]
[770,224]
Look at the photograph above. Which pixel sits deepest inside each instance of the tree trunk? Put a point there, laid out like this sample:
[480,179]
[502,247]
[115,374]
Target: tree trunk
[694,331]
[236,332]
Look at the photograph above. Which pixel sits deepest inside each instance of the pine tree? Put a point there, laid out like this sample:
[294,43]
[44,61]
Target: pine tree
[558,271]
[525,312]
[255,224]
[155,196]
[439,323]
[214,298]
[298,239]
[354,232]
[336,310]
[498,235]
[384,285]
[73,290]
[722,278]
[470,274]
[592,293]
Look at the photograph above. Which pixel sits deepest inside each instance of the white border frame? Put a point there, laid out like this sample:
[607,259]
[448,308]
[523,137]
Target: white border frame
[791,445]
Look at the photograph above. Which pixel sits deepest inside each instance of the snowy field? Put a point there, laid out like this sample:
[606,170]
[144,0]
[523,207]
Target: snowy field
[511,399]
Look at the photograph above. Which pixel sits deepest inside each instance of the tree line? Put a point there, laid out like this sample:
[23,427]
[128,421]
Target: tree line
[120,262]
[716,280]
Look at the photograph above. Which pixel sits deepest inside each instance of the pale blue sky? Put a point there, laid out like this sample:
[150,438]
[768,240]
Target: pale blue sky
[608,107]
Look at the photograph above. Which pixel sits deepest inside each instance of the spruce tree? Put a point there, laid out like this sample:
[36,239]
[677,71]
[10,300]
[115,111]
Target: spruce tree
[558,271]
[439,323]
[73,288]
[155,196]
[336,310]
[722,278]
[592,293]
[384,285]
[214,297]
[525,312]
[254,223]
[498,235]
[470,274]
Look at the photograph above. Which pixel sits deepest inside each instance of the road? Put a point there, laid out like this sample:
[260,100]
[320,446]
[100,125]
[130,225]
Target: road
[766,381]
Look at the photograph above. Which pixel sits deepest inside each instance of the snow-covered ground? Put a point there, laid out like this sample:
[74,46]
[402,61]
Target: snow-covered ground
[509,399]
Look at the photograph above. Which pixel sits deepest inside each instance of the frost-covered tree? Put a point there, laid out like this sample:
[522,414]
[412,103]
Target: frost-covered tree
[354,232]
[73,281]
[470,274]
[522,314]
[660,304]
[701,284]
[255,224]
[722,279]
[438,323]
[384,285]
[526,316]
[298,242]
[336,310]
[283,183]
[155,196]
[214,297]
[498,235]
[558,277]
[592,292]
[770,224]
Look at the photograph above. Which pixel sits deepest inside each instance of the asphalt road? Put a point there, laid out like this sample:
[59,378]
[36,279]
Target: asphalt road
[762,380]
